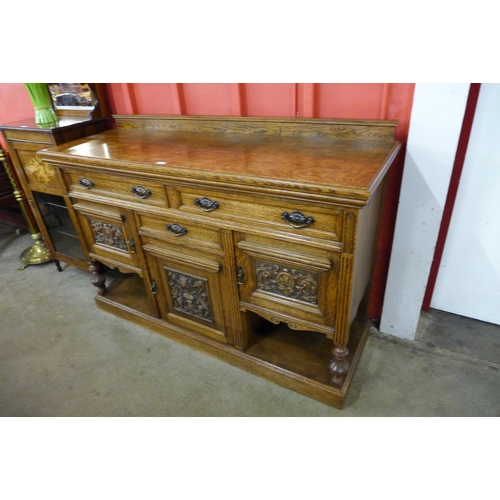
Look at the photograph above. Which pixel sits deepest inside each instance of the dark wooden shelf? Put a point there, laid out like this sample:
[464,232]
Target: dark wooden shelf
[128,290]
[302,352]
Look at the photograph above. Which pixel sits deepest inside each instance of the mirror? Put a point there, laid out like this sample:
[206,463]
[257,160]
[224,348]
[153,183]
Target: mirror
[72,97]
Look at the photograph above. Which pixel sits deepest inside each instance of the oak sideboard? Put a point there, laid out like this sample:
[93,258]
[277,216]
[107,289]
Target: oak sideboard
[250,239]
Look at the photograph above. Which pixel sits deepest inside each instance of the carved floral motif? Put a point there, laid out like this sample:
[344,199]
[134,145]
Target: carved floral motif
[287,281]
[189,294]
[108,234]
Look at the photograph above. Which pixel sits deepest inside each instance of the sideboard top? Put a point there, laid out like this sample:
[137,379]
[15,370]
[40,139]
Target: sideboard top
[333,157]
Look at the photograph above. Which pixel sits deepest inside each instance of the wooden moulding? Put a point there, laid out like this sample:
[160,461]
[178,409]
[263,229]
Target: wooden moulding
[303,368]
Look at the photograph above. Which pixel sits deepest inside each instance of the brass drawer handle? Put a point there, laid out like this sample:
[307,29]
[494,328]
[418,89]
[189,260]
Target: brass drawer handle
[176,230]
[86,183]
[141,192]
[297,220]
[206,204]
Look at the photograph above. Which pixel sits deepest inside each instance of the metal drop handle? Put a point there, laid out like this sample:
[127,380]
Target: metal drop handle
[176,230]
[240,275]
[86,183]
[297,219]
[131,244]
[206,204]
[141,192]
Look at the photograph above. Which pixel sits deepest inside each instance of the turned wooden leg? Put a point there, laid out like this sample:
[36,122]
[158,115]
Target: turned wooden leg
[98,278]
[339,366]
[58,265]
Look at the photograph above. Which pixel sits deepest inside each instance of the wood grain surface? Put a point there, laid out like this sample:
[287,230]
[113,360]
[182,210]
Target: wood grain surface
[348,167]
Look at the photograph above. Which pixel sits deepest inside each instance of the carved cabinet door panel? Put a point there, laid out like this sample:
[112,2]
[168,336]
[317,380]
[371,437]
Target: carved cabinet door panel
[110,235]
[285,282]
[188,287]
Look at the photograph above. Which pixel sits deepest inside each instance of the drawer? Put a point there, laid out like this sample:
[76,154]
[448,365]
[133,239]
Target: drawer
[179,231]
[91,185]
[284,214]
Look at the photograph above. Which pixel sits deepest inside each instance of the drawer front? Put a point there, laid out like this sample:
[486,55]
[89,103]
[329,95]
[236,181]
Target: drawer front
[264,212]
[289,283]
[179,231]
[89,184]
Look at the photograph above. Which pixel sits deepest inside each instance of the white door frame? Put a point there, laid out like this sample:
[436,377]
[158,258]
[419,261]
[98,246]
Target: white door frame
[468,278]
[435,126]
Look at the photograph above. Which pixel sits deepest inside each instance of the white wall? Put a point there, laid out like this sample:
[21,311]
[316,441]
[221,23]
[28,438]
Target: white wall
[468,281]
[435,126]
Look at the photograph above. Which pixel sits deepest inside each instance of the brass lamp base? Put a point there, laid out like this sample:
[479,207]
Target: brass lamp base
[36,253]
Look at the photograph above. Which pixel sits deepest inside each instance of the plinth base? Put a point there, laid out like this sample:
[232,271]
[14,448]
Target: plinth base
[296,360]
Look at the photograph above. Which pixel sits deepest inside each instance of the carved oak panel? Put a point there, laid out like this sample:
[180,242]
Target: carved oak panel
[108,234]
[287,281]
[190,294]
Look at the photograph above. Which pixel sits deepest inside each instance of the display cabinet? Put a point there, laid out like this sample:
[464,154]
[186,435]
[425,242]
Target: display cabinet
[42,184]
[250,239]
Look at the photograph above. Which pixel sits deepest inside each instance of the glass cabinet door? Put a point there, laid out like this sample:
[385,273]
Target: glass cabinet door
[59,225]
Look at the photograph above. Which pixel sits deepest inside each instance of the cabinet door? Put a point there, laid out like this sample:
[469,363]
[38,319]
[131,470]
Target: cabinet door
[189,286]
[283,282]
[110,235]
[59,225]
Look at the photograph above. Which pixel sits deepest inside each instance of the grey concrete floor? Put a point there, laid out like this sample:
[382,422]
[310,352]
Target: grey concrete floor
[61,356]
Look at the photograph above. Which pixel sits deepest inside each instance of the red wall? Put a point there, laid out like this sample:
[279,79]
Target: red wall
[15,104]
[364,101]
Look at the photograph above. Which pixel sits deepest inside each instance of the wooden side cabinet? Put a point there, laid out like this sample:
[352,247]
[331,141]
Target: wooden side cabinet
[43,184]
[250,239]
